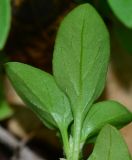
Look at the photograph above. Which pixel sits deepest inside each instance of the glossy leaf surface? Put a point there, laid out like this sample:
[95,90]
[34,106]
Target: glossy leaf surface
[39,90]
[102,113]
[110,145]
[81,56]
[123,10]
[5,17]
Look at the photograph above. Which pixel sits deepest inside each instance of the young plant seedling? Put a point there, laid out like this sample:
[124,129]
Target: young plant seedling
[65,101]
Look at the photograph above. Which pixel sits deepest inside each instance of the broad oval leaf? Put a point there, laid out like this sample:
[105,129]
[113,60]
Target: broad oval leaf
[5,18]
[123,10]
[110,145]
[102,113]
[39,90]
[81,56]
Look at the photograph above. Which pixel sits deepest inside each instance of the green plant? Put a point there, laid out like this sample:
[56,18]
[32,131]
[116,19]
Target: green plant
[65,101]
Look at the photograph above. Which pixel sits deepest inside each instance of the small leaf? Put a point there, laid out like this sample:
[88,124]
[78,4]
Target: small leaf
[102,113]
[5,18]
[81,56]
[39,90]
[5,110]
[123,11]
[110,145]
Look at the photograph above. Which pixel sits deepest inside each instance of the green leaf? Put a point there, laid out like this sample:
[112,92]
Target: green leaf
[5,110]
[102,113]
[81,56]
[5,18]
[39,90]
[123,10]
[110,145]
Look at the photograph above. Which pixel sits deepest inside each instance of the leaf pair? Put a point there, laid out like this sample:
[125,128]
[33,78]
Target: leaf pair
[40,91]
[110,146]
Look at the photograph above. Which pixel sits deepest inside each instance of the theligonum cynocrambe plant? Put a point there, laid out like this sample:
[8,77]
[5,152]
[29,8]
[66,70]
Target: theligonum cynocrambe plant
[65,101]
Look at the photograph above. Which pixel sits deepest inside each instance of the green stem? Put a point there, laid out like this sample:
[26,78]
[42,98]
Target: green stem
[65,141]
[76,137]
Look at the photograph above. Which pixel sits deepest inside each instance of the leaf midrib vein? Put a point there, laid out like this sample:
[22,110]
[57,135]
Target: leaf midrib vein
[81,55]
